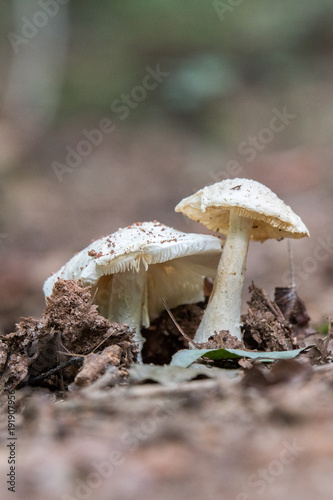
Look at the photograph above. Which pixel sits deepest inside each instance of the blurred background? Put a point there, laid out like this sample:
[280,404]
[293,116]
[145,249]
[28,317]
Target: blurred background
[112,111]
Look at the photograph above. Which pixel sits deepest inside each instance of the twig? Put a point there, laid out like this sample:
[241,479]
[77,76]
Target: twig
[102,342]
[52,371]
[74,355]
[177,326]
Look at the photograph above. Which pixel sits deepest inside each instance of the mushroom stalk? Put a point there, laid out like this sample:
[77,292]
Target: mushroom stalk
[224,307]
[129,301]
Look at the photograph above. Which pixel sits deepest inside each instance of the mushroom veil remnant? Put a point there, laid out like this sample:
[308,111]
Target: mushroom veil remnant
[242,209]
[131,270]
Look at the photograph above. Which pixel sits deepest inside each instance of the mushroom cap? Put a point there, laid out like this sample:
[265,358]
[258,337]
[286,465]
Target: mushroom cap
[183,260]
[272,218]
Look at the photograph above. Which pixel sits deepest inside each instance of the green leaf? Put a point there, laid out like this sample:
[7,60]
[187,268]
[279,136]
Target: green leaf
[186,357]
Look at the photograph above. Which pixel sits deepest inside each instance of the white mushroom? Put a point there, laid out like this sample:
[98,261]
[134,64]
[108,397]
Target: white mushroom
[133,268]
[242,209]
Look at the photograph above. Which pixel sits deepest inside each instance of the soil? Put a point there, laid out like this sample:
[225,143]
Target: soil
[265,327]
[245,430]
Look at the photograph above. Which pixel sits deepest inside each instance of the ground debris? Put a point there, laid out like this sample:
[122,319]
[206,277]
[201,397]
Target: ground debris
[294,310]
[264,326]
[70,311]
[280,372]
[321,353]
[246,363]
[69,327]
[95,365]
[22,349]
[222,340]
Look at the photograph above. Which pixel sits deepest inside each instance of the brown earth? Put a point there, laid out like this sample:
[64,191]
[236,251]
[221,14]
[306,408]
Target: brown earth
[242,431]
[215,438]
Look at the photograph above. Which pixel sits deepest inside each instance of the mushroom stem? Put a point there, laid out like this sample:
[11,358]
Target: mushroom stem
[224,307]
[129,301]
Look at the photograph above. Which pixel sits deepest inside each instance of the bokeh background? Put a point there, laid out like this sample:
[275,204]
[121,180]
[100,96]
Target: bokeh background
[222,70]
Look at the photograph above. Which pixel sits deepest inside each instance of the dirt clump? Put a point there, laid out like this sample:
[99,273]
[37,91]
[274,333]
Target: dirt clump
[294,310]
[264,326]
[68,332]
[222,340]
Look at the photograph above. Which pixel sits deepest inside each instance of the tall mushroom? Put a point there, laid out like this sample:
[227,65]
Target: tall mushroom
[242,209]
[133,268]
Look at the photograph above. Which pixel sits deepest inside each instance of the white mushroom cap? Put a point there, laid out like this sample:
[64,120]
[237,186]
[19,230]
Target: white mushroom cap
[272,218]
[147,260]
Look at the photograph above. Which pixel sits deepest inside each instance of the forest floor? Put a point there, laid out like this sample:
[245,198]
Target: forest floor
[112,429]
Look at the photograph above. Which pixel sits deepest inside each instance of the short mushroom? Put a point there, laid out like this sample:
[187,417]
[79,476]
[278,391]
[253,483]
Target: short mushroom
[131,270]
[242,209]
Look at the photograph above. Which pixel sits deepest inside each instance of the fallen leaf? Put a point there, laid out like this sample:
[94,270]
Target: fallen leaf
[169,375]
[186,357]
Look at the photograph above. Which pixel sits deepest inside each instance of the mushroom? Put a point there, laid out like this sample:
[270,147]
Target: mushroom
[131,269]
[242,209]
